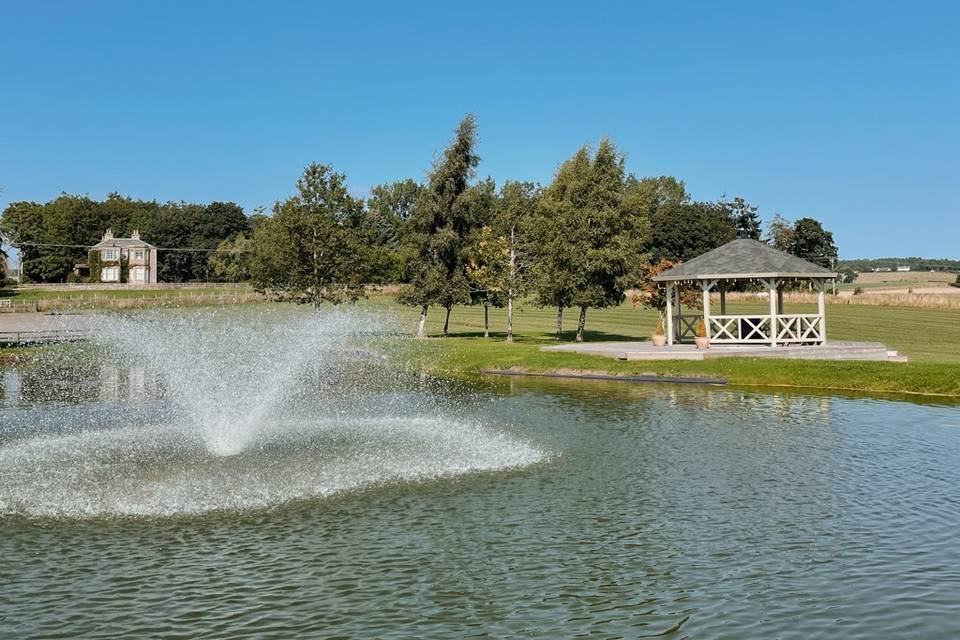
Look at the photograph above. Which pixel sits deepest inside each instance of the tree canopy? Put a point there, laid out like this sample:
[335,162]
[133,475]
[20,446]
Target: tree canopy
[440,225]
[315,247]
[54,236]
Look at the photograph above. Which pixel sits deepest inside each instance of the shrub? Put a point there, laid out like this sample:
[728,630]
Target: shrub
[95,265]
[701,329]
[858,291]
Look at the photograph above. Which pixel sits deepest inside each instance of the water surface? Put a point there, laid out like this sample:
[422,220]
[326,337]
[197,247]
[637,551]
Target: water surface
[510,508]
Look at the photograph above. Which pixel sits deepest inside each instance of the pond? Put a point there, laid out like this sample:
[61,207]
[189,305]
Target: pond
[492,508]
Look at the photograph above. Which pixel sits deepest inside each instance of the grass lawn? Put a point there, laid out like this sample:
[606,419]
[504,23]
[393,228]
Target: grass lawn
[930,337]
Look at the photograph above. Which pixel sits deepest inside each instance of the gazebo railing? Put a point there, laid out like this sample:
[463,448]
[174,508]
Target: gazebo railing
[795,328]
[799,328]
[739,329]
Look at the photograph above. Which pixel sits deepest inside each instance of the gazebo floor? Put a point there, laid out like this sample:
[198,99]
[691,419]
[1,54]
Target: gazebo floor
[644,350]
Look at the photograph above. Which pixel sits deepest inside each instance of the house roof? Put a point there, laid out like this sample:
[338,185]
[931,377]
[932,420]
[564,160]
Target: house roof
[122,243]
[744,259]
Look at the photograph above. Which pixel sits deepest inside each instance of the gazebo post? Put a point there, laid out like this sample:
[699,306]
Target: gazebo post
[706,286]
[678,321]
[772,285]
[822,310]
[723,298]
[669,313]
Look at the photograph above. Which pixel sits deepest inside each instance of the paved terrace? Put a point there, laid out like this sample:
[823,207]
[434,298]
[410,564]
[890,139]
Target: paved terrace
[644,350]
[38,328]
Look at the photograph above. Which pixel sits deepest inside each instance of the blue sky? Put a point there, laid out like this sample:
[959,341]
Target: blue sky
[845,111]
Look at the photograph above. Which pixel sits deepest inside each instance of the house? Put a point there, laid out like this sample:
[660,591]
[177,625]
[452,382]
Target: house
[139,256]
[903,269]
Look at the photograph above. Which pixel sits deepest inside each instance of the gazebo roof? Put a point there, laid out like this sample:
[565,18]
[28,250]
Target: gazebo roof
[742,260]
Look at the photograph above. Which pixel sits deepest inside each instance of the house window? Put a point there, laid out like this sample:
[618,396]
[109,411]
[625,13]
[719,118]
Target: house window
[110,274]
[138,254]
[110,254]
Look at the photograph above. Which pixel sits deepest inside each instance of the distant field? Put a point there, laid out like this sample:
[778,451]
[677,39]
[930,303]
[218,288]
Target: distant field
[900,278]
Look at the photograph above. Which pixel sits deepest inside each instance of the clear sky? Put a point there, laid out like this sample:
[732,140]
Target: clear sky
[845,111]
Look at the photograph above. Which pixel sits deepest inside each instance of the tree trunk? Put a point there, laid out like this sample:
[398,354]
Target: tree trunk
[486,321]
[583,321]
[422,328]
[446,322]
[559,323]
[512,281]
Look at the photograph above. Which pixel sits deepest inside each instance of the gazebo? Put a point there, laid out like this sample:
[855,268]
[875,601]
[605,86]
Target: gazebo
[746,261]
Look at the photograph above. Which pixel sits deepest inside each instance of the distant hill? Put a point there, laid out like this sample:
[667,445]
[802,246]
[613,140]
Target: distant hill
[915,264]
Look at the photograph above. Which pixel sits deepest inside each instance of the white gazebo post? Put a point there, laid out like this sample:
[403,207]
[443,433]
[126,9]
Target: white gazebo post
[706,286]
[822,310]
[669,313]
[772,285]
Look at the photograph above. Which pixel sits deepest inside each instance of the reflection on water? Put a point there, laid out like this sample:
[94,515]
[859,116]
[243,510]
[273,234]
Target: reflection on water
[656,510]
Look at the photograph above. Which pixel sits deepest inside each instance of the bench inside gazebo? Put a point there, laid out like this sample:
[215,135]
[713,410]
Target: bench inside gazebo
[753,262]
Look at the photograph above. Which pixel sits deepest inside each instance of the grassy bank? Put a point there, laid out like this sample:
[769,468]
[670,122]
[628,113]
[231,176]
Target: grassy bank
[930,337]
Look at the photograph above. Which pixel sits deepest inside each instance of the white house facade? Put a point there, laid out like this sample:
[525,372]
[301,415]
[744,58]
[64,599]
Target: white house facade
[140,256]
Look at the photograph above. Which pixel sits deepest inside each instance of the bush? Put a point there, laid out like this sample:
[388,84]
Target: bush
[858,291]
[701,329]
[95,264]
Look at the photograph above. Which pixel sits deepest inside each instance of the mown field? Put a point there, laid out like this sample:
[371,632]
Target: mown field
[930,337]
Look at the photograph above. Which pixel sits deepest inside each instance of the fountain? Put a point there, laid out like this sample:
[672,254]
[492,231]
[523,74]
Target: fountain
[209,410]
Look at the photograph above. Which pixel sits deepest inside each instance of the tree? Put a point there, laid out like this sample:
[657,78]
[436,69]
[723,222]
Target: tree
[779,233]
[554,274]
[231,260]
[484,251]
[649,194]
[812,242]
[517,204]
[390,207]
[439,228]
[313,248]
[649,294]
[485,271]
[584,236]
[746,220]
[681,231]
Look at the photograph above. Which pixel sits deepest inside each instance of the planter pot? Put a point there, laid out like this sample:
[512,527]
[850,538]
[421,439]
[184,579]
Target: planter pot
[659,341]
[702,342]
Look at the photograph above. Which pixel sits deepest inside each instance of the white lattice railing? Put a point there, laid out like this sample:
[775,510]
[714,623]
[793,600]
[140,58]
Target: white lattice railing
[747,329]
[800,328]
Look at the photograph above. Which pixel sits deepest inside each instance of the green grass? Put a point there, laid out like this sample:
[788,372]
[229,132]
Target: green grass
[930,337]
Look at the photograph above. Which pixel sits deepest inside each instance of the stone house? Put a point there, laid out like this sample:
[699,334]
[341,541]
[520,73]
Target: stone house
[141,258]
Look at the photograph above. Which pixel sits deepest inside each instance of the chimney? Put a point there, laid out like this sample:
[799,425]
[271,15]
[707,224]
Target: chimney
[136,234]
[108,234]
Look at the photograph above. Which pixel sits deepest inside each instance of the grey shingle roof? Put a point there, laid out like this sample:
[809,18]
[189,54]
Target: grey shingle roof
[124,243]
[744,259]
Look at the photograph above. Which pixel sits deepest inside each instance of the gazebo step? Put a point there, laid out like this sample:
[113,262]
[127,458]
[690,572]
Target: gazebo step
[871,351]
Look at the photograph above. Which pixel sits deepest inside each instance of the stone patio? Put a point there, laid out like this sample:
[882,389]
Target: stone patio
[644,350]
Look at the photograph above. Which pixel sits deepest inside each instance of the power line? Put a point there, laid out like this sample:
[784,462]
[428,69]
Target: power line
[85,246]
